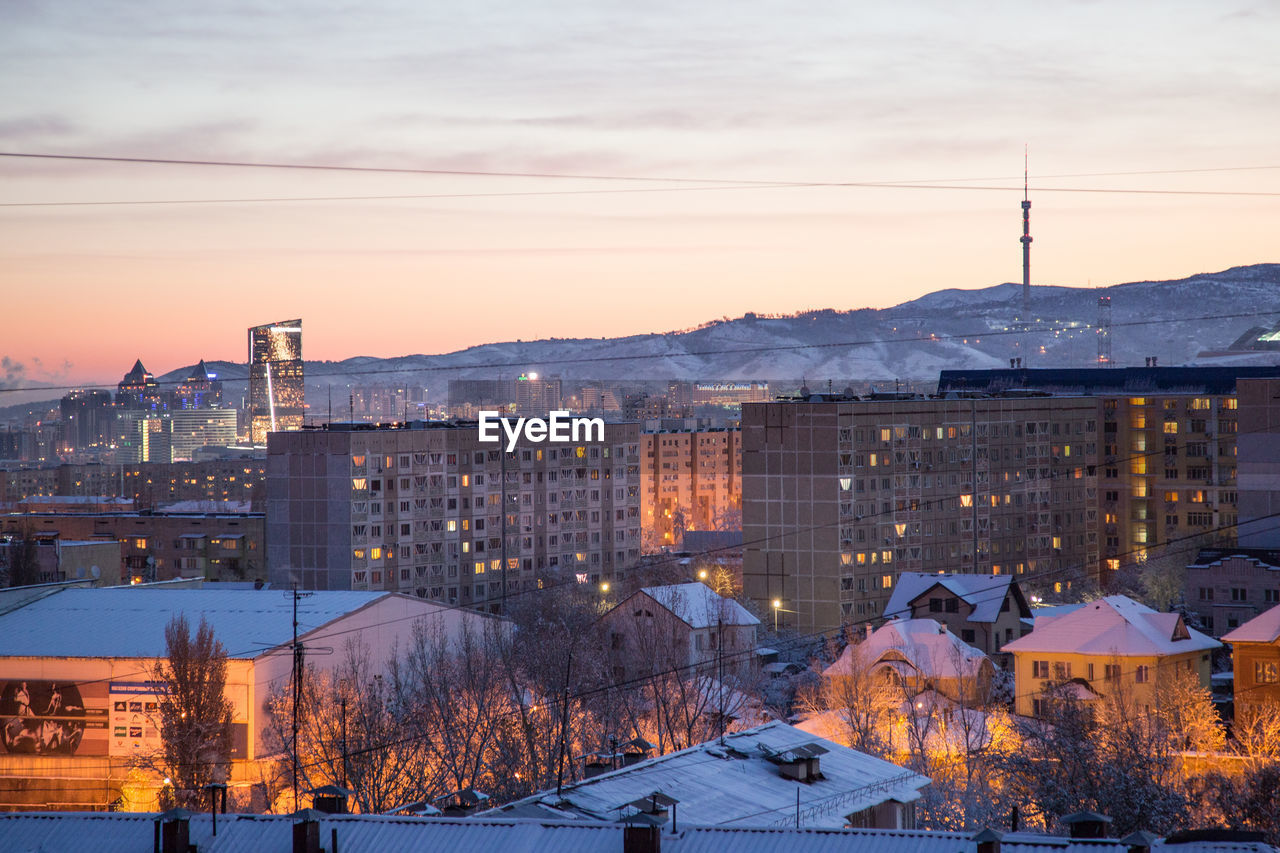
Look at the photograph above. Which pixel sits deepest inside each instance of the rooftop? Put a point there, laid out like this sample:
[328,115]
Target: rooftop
[984,593]
[1114,625]
[1104,380]
[732,782]
[929,648]
[699,606]
[1263,628]
[129,622]
[129,832]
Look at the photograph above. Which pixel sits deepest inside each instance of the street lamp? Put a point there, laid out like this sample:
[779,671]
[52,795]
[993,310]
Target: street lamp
[777,605]
[702,574]
[604,587]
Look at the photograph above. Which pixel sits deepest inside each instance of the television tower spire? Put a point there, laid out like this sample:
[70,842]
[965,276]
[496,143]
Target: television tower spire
[1026,240]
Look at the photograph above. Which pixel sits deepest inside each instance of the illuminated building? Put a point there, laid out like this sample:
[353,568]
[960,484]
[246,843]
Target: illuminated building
[139,390]
[87,419]
[200,390]
[691,479]
[419,508]
[277,395]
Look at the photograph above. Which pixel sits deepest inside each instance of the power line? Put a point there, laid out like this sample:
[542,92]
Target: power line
[685,354]
[954,185]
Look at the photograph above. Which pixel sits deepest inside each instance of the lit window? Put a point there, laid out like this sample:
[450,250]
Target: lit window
[375,553]
[479,567]
[451,526]
[359,483]
[886,581]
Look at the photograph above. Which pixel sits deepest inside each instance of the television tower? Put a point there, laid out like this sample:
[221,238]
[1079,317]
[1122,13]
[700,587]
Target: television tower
[1104,332]
[1026,244]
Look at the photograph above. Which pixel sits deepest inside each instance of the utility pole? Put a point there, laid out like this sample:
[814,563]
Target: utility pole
[298,663]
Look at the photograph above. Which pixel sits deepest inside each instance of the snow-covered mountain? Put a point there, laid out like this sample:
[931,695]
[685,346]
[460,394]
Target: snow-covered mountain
[1172,320]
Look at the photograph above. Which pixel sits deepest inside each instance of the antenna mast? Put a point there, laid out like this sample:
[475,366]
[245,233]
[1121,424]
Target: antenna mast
[1026,238]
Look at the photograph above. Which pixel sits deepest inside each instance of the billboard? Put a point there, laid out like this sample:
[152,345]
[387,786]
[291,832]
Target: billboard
[53,717]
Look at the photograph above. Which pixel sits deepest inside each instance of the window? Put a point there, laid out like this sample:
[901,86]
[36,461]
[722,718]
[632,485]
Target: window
[1061,671]
[1142,674]
[1040,669]
[1111,672]
[935,605]
[1266,672]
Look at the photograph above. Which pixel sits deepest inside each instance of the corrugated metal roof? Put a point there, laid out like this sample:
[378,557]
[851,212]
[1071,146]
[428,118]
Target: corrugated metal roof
[129,622]
[716,787]
[106,832]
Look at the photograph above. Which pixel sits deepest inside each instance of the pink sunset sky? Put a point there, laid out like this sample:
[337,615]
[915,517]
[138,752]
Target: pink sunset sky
[826,92]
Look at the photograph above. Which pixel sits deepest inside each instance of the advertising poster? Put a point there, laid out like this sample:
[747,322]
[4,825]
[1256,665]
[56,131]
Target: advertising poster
[53,717]
[135,717]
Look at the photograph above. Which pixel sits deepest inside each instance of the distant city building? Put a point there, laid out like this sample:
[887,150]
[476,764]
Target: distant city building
[200,390]
[87,420]
[157,546]
[238,478]
[139,390]
[277,394]
[58,559]
[691,479]
[536,396]
[419,508]
[190,429]
[729,394]
[527,394]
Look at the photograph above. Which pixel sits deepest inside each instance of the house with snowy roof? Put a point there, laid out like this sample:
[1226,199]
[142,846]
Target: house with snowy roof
[1255,655]
[984,611]
[683,625]
[79,697]
[1109,644]
[770,775]
[919,655]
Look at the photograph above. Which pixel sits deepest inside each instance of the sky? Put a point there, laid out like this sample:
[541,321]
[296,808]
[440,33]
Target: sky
[716,106]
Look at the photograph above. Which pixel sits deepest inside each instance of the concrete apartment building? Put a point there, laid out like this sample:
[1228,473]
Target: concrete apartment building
[150,485]
[691,479]
[418,508]
[157,546]
[1128,460]
[840,495]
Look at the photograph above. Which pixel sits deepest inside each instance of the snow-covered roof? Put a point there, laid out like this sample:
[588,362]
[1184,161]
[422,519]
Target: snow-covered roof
[1263,628]
[129,832]
[1115,625]
[699,606]
[932,650]
[734,784]
[984,593]
[129,622]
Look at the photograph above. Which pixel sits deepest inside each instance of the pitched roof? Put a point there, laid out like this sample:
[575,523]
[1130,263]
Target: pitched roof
[699,606]
[1263,628]
[129,622]
[1114,625]
[984,593]
[934,651]
[736,785]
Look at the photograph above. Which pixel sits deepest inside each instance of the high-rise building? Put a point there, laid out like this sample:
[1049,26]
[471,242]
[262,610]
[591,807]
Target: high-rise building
[200,390]
[87,419]
[691,479]
[139,390]
[419,508]
[277,395]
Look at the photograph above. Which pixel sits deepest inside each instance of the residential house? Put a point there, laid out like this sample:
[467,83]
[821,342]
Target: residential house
[1255,652]
[919,655]
[984,611]
[1107,644]
[680,625]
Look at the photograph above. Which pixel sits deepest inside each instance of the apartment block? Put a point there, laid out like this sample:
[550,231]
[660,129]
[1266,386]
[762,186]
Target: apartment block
[419,508]
[842,494]
[150,485]
[691,480]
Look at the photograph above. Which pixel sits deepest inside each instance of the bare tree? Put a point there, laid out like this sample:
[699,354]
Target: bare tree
[195,714]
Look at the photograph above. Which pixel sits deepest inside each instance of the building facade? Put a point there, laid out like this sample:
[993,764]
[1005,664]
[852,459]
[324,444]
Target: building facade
[419,508]
[840,495]
[277,395]
[1227,587]
[691,479]
[150,485]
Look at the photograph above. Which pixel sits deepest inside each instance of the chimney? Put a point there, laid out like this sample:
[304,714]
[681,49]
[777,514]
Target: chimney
[1087,824]
[175,831]
[988,841]
[306,831]
[1139,842]
[330,799]
[641,838]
